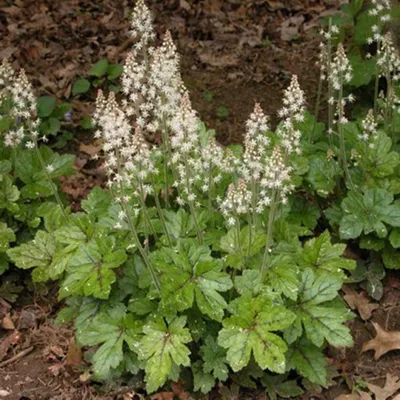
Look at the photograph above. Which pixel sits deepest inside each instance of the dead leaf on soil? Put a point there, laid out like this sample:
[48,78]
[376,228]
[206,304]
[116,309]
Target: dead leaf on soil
[290,28]
[354,396]
[8,323]
[74,355]
[392,385]
[383,342]
[91,149]
[7,342]
[359,302]
[218,60]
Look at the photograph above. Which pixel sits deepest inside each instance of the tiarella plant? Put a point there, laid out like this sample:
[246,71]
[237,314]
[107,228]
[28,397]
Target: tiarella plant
[193,256]
[28,173]
[207,260]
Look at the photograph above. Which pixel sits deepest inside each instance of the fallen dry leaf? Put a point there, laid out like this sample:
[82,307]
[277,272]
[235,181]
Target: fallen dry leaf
[290,28]
[74,355]
[392,385]
[359,302]
[7,342]
[383,342]
[8,323]
[91,149]
[354,396]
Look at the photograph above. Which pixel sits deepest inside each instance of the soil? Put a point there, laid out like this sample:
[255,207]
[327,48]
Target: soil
[234,53]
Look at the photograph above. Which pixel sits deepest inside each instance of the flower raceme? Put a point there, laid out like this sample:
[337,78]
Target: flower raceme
[142,29]
[17,91]
[292,111]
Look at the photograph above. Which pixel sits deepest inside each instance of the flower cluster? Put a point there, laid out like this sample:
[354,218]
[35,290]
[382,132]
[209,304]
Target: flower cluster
[276,178]
[380,9]
[292,111]
[341,73]
[16,93]
[212,158]
[115,131]
[325,50]
[142,26]
[236,202]
[369,129]
[185,144]
[388,58]
[255,143]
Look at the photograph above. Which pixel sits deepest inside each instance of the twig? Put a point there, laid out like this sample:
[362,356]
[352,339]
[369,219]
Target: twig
[21,354]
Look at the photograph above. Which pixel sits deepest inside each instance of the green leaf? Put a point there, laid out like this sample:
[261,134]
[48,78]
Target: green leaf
[9,193]
[45,106]
[381,160]
[319,253]
[5,123]
[282,276]
[100,68]
[249,331]
[37,253]
[363,70]
[201,380]
[303,213]
[90,269]
[363,28]
[391,257]
[321,318]
[70,234]
[249,282]
[280,386]
[80,86]
[214,357]
[97,203]
[371,242]
[86,123]
[50,126]
[367,213]
[394,238]
[189,274]
[5,167]
[6,237]
[309,361]
[355,6]
[322,174]
[163,347]
[228,244]
[110,330]
[114,71]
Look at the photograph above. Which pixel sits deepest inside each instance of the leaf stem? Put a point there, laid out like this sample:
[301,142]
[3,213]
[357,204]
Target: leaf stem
[270,229]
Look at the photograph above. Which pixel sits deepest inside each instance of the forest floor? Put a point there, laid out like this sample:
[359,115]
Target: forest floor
[234,53]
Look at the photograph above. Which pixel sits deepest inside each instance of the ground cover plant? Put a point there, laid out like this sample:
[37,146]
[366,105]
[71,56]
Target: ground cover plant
[203,261]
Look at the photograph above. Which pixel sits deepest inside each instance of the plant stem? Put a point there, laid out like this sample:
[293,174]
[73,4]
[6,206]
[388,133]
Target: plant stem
[250,224]
[330,91]
[317,107]
[210,193]
[237,237]
[165,139]
[144,208]
[343,156]
[161,215]
[376,89]
[196,223]
[53,188]
[254,200]
[270,229]
[142,251]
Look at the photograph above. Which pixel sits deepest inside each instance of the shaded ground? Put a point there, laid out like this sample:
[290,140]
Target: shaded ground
[234,53]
